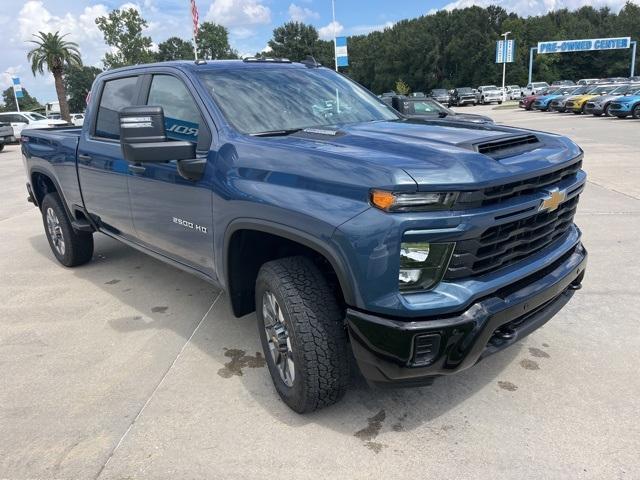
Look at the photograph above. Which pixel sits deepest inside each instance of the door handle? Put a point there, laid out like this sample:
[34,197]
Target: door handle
[84,158]
[136,169]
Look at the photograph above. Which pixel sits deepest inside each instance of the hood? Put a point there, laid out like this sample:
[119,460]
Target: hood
[547,98]
[628,99]
[434,154]
[606,98]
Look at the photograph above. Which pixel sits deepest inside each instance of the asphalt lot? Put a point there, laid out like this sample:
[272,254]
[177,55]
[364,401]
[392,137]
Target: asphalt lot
[128,368]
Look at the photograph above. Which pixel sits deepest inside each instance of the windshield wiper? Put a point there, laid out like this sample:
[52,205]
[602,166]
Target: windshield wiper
[276,133]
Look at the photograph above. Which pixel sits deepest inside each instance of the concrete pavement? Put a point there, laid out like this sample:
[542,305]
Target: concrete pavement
[128,368]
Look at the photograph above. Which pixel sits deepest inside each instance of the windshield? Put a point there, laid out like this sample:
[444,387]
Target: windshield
[621,89]
[464,90]
[439,91]
[540,84]
[598,90]
[35,116]
[259,100]
[426,107]
[490,87]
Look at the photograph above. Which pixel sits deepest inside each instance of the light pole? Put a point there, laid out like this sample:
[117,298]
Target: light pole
[335,46]
[504,64]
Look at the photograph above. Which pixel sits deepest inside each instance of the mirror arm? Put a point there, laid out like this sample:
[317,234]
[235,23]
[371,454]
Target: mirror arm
[192,168]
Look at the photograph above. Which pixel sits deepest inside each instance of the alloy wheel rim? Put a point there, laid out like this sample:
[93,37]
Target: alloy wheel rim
[278,339]
[55,231]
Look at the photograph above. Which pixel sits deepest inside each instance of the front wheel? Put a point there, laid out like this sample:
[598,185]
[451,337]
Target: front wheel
[303,337]
[1,146]
[635,113]
[606,112]
[499,102]
[70,247]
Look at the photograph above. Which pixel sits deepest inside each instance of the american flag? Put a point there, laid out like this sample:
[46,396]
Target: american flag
[194,15]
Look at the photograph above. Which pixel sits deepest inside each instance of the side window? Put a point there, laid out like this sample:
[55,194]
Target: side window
[182,117]
[116,94]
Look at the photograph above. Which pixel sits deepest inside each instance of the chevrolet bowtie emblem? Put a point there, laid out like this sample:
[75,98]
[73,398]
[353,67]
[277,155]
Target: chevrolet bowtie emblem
[551,202]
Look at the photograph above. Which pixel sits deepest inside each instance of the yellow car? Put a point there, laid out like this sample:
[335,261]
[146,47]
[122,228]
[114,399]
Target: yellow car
[577,103]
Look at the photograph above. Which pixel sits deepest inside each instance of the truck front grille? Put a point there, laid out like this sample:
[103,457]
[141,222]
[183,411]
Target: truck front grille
[502,193]
[508,243]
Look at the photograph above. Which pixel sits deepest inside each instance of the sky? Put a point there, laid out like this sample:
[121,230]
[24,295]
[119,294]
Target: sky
[250,23]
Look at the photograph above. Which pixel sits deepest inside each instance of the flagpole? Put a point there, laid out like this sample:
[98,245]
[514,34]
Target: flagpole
[335,45]
[195,19]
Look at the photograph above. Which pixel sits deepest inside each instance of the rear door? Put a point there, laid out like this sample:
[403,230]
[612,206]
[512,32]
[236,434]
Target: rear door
[173,215]
[102,169]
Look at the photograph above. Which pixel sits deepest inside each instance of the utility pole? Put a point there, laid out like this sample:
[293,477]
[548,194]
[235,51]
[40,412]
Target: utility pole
[504,65]
[335,47]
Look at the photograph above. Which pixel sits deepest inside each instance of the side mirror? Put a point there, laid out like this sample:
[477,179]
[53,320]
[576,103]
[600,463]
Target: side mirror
[143,137]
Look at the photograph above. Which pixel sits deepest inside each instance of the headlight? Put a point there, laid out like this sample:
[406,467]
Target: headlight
[412,202]
[422,264]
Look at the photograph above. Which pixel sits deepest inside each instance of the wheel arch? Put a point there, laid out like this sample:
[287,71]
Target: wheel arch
[241,264]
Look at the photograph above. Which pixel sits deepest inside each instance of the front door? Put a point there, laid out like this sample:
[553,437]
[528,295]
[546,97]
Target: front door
[173,215]
[102,169]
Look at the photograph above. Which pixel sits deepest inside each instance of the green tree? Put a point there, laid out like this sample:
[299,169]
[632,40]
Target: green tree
[52,52]
[78,81]
[213,42]
[122,29]
[402,88]
[296,41]
[27,102]
[174,48]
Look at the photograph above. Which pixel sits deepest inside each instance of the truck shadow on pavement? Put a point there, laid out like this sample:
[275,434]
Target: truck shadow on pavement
[233,353]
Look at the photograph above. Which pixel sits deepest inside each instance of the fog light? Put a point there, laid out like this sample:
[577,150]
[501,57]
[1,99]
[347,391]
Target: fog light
[422,264]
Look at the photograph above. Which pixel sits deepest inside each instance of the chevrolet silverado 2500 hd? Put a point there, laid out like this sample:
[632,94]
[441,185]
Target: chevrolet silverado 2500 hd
[421,246]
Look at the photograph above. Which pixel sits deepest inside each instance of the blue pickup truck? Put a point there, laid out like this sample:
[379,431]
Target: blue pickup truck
[417,247]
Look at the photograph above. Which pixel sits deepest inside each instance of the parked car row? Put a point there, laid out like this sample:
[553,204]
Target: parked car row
[613,99]
[428,108]
[13,123]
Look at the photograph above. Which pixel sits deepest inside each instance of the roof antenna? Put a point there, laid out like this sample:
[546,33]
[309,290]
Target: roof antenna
[311,62]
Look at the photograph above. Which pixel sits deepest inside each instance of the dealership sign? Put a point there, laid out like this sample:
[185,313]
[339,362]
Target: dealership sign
[585,45]
[342,56]
[505,51]
[17,88]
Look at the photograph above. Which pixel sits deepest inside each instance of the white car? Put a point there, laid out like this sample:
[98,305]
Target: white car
[77,119]
[488,94]
[533,88]
[514,92]
[23,120]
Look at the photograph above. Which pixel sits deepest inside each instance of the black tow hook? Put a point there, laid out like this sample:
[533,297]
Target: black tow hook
[575,286]
[505,333]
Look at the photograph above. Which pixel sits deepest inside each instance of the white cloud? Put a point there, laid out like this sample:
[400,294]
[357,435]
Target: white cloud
[238,13]
[81,28]
[329,31]
[527,8]
[302,14]
[364,29]
[8,74]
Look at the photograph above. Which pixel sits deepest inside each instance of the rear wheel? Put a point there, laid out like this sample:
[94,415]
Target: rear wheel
[635,113]
[1,146]
[301,329]
[70,247]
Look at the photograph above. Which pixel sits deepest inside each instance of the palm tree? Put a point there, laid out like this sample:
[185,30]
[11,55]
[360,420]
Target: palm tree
[54,52]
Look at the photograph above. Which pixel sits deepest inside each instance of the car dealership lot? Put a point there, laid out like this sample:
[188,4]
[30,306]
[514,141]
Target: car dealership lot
[128,368]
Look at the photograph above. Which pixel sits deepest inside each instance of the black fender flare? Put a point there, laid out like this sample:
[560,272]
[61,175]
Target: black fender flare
[339,265]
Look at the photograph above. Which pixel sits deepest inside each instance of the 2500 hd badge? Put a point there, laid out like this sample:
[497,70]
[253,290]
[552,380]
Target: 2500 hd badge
[188,224]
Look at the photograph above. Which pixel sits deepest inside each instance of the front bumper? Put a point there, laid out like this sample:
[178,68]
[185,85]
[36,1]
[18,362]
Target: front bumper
[411,352]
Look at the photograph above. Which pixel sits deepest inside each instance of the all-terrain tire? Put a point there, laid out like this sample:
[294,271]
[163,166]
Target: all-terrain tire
[315,328]
[76,247]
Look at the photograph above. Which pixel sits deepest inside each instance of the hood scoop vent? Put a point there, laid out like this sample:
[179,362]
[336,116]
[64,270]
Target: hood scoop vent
[507,147]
